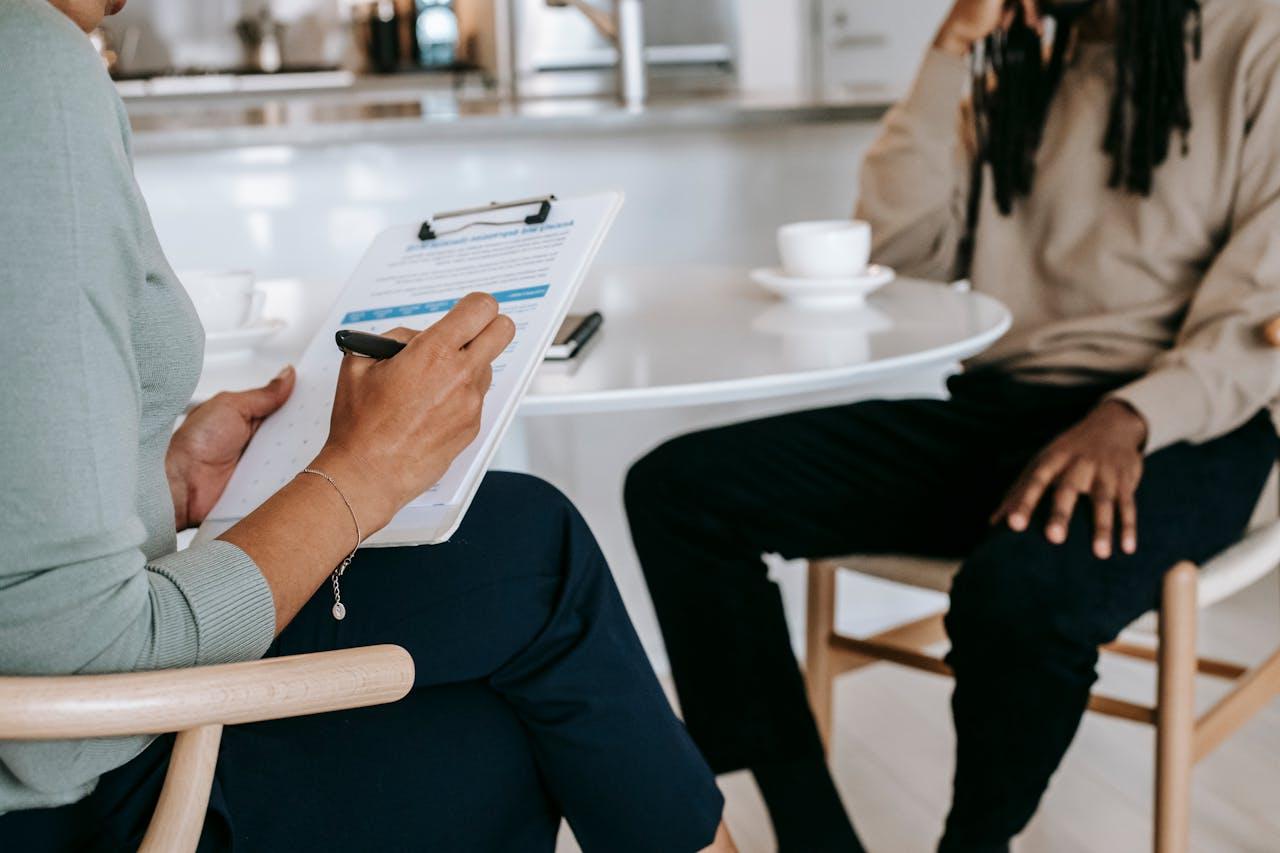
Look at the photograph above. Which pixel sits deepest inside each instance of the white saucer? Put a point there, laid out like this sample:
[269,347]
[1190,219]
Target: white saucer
[823,292]
[241,340]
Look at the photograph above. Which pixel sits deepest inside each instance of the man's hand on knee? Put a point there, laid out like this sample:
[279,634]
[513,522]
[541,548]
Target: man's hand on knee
[1100,457]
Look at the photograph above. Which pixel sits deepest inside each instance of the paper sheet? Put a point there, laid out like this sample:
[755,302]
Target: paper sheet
[532,270]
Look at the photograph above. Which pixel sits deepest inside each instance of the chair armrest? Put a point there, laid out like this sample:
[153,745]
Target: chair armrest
[155,702]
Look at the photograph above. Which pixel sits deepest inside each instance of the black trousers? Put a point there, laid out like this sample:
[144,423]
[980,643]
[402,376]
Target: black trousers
[921,477]
[533,698]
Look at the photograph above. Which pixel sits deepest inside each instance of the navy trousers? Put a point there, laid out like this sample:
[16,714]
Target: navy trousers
[533,699]
[921,477]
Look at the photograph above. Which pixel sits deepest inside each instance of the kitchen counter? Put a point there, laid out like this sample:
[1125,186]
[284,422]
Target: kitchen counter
[196,123]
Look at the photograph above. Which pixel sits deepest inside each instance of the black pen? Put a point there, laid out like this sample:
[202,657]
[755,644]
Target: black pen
[366,344]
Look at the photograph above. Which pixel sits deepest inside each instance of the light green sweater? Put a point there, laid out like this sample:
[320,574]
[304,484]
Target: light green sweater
[100,350]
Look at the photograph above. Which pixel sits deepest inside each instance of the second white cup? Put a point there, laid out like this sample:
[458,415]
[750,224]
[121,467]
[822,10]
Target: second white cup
[225,300]
[833,248]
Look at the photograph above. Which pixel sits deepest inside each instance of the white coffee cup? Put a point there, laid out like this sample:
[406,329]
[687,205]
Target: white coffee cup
[833,248]
[226,300]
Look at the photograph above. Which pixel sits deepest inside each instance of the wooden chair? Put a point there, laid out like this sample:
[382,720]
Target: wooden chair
[1182,739]
[196,703]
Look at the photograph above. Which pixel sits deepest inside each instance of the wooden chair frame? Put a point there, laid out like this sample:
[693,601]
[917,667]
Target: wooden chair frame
[196,703]
[1182,738]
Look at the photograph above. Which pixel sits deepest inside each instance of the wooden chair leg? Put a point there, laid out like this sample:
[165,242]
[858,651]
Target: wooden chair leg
[1175,710]
[820,625]
[179,817]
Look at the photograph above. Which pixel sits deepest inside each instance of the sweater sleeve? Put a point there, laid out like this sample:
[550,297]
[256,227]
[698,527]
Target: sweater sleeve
[77,594]
[915,179]
[1221,372]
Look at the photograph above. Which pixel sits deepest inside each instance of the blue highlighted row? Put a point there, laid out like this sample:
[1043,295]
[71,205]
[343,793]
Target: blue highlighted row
[521,294]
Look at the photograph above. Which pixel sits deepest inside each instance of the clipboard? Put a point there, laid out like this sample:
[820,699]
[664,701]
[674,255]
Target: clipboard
[412,275]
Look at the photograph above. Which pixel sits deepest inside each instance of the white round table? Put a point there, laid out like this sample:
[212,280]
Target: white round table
[693,335]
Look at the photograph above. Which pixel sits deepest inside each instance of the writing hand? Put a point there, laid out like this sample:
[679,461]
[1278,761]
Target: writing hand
[398,424]
[204,451]
[1101,458]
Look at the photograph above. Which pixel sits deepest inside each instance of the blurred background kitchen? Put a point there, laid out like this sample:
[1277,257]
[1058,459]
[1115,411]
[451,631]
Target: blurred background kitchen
[294,129]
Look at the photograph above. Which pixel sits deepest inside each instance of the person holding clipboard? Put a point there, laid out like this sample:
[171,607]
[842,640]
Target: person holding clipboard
[533,697]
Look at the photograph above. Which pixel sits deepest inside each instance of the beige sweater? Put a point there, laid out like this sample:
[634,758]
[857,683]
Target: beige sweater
[1167,292]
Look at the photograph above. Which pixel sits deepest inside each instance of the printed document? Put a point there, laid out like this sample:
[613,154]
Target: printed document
[533,271]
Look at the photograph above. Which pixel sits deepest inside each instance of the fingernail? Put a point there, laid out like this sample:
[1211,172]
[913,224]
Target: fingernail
[288,369]
[1017,522]
[1055,535]
[1102,550]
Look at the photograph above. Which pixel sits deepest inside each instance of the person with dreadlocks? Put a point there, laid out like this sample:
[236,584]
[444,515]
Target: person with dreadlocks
[1117,185]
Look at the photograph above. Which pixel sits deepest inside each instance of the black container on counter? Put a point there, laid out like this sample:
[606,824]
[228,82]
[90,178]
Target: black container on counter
[383,48]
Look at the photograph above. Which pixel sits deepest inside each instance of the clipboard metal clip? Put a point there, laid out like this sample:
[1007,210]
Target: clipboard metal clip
[428,231]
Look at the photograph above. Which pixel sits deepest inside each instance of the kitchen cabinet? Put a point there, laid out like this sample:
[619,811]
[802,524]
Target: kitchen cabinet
[865,46]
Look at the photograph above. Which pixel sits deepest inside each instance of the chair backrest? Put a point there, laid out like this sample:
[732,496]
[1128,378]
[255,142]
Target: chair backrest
[1243,564]
[196,703]
[81,706]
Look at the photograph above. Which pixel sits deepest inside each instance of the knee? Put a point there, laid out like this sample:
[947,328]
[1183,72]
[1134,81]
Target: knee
[653,474]
[1022,597]
[524,507]
[673,472]
[990,605]
[525,490]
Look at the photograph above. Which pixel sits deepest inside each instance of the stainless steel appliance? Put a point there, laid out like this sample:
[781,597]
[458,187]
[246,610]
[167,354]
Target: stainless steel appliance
[625,30]
[556,50]
[867,48]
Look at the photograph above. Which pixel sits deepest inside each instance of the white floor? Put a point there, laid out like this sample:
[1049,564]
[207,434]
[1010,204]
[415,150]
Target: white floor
[893,760]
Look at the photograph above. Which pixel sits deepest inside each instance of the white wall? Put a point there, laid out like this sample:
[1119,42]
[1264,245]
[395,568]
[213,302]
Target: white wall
[696,195]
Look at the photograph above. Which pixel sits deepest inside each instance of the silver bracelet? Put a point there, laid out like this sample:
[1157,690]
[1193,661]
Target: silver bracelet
[340,609]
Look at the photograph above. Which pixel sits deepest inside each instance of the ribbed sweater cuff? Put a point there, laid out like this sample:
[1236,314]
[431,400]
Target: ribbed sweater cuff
[230,603]
[939,88]
[1172,401]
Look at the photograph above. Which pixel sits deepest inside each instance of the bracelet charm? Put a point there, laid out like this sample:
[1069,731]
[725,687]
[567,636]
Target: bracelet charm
[340,609]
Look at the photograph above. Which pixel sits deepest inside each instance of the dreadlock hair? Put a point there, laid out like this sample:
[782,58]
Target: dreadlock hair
[1015,83]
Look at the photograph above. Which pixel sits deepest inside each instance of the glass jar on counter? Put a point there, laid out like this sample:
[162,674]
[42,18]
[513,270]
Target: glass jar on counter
[436,33]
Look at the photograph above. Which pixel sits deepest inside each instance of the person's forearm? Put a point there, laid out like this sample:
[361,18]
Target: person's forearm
[300,535]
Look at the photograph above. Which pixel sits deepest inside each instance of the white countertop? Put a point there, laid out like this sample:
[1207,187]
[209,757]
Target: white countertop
[196,123]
